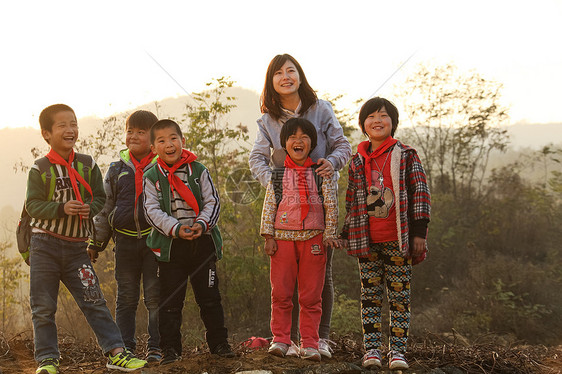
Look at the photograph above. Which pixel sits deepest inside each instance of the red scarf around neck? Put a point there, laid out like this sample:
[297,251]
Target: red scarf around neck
[363,150]
[176,183]
[73,174]
[139,172]
[302,185]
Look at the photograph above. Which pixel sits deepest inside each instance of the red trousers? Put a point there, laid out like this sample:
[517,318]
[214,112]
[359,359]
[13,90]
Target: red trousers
[304,261]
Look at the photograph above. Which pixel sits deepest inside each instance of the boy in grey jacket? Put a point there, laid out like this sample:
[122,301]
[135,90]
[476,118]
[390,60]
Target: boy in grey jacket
[182,205]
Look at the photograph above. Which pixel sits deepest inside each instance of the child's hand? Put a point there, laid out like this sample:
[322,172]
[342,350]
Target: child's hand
[185,232]
[418,246]
[334,243]
[197,230]
[93,254]
[189,233]
[325,168]
[85,211]
[270,246]
[74,207]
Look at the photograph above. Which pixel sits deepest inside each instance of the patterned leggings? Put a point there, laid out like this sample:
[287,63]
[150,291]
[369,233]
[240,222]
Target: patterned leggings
[385,264]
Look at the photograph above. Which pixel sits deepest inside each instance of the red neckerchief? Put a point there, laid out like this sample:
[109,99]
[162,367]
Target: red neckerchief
[139,172]
[73,174]
[302,186]
[363,150]
[176,183]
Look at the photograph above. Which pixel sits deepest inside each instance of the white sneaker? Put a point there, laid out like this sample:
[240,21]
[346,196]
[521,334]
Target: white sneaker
[278,349]
[397,361]
[372,359]
[293,350]
[324,347]
[311,354]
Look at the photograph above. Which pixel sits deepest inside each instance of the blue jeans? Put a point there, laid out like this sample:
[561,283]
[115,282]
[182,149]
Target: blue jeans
[134,259]
[53,260]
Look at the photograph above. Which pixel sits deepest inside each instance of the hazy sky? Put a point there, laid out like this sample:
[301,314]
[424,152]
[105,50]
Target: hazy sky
[94,56]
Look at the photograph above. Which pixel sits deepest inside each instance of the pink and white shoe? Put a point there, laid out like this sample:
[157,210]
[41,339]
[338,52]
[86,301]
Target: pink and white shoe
[293,350]
[278,349]
[372,358]
[397,361]
[311,354]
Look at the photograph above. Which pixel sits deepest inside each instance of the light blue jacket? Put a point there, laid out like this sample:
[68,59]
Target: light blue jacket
[331,144]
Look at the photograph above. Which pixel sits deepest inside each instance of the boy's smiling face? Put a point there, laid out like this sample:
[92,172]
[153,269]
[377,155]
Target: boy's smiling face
[63,134]
[168,145]
[138,142]
[298,146]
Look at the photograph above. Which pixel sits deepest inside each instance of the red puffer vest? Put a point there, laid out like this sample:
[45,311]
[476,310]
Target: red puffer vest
[289,211]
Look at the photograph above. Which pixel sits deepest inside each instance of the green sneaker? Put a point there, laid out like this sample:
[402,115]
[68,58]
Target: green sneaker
[48,366]
[124,361]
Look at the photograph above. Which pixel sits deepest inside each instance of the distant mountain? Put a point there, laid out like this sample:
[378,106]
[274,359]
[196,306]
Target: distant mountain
[16,143]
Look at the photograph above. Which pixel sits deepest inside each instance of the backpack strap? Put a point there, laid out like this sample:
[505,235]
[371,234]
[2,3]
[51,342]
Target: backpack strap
[319,180]
[84,166]
[277,182]
[46,172]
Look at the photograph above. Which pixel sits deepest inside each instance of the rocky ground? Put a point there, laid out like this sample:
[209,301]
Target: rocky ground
[436,355]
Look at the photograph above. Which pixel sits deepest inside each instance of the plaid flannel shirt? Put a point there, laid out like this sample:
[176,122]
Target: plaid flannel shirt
[413,194]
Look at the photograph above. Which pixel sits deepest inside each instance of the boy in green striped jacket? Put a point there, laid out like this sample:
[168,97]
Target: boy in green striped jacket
[61,202]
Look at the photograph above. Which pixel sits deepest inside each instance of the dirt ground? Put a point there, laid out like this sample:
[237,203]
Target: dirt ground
[426,356]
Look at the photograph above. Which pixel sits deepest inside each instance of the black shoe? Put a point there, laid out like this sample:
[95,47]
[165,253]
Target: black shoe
[153,355]
[223,350]
[169,355]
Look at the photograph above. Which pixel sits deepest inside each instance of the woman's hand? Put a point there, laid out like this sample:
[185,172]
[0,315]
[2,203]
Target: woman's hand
[325,168]
[334,243]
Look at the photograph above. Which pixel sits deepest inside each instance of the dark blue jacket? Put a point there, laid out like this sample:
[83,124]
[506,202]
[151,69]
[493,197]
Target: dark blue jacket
[119,214]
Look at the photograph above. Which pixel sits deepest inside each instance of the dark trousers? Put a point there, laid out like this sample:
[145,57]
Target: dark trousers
[193,260]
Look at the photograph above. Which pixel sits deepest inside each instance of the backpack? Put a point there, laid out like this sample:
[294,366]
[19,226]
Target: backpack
[23,231]
[277,181]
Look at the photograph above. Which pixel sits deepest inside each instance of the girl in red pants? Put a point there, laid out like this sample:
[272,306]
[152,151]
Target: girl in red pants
[299,220]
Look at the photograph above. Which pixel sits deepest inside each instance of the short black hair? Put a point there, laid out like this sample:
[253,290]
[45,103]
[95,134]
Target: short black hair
[164,124]
[292,125]
[141,119]
[46,118]
[374,105]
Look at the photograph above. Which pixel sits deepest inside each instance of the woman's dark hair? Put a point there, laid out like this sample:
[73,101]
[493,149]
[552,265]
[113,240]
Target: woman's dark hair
[374,105]
[292,125]
[270,102]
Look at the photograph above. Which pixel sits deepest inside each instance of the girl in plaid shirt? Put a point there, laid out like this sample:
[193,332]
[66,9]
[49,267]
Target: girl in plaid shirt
[388,210]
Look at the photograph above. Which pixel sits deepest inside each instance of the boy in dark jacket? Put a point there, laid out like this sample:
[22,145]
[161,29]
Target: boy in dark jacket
[61,202]
[182,205]
[123,219]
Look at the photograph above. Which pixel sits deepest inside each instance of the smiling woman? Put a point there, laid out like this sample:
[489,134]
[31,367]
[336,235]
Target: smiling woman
[286,95]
